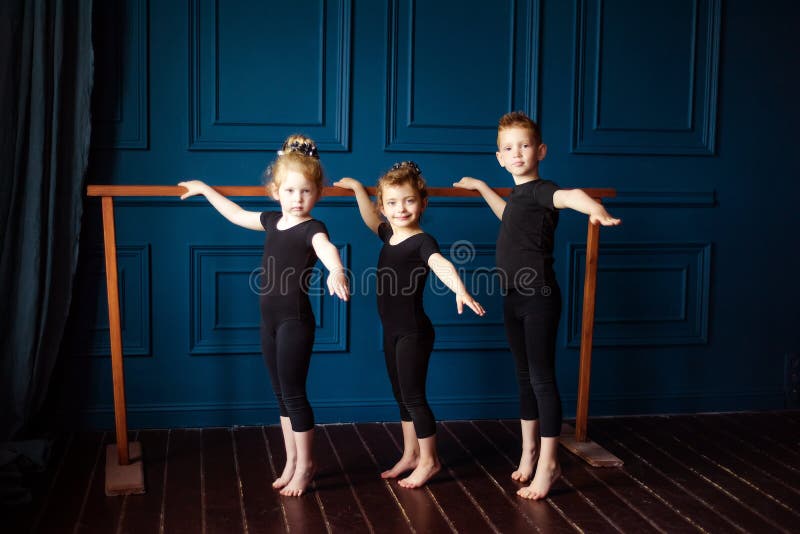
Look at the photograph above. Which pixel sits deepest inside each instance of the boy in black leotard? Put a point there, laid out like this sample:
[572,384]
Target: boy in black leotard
[292,245]
[532,303]
[407,256]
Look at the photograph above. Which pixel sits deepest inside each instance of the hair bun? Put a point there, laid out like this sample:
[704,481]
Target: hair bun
[407,165]
[305,148]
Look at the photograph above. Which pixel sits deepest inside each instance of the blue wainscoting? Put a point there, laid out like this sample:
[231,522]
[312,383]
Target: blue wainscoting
[673,50]
[687,108]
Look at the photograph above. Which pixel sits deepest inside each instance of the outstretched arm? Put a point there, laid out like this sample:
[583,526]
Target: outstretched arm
[227,208]
[365,206]
[329,256]
[578,200]
[445,271]
[494,200]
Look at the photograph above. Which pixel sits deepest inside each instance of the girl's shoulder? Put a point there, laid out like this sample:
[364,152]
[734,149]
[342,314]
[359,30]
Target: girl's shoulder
[269,219]
[385,232]
[428,246]
[315,226]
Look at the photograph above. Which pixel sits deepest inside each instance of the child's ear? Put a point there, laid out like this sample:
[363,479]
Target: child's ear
[273,190]
[542,152]
[499,159]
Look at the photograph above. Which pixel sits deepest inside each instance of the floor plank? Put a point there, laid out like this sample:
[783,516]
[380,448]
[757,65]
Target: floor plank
[463,513]
[499,467]
[497,505]
[142,513]
[794,415]
[733,472]
[222,504]
[608,504]
[639,496]
[183,501]
[343,510]
[100,514]
[749,448]
[736,477]
[263,509]
[375,494]
[673,461]
[303,514]
[418,506]
[770,439]
[675,494]
[563,498]
[764,471]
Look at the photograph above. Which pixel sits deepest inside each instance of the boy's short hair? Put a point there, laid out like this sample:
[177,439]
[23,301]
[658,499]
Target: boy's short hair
[518,119]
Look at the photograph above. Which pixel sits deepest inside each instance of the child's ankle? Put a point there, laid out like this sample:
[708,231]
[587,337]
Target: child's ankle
[410,455]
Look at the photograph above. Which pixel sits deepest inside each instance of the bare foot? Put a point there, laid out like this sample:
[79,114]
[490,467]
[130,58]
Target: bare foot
[406,463]
[286,476]
[526,463]
[300,481]
[420,475]
[544,479]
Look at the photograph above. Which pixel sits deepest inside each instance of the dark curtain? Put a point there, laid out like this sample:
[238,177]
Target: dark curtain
[46,71]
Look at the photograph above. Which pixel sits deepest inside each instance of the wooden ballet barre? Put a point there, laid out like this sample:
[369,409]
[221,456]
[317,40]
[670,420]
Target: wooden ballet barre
[258,191]
[129,478]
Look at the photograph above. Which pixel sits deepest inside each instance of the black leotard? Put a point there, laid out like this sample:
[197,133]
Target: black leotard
[407,331]
[402,273]
[287,320]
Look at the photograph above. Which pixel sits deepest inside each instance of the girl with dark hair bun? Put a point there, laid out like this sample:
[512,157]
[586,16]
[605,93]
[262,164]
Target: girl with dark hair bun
[407,256]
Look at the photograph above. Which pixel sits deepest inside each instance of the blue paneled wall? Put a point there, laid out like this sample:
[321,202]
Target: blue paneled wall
[687,108]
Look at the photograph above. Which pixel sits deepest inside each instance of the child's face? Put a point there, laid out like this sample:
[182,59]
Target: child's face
[296,194]
[402,205]
[519,153]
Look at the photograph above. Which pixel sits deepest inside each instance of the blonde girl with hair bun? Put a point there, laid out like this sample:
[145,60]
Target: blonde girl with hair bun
[293,243]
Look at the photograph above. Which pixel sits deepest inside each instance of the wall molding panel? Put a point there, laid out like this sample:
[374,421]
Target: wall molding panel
[646,77]
[685,108]
[237,50]
[88,331]
[426,69]
[648,294]
[224,304]
[120,99]
[467,332]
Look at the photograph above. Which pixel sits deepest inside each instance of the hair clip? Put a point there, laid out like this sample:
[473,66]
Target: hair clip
[305,148]
[410,164]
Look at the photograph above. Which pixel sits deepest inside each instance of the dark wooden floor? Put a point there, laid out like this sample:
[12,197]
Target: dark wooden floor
[707,473]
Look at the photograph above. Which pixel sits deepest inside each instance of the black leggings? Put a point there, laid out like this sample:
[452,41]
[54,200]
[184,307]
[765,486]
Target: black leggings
[407,358]
[287,353]
[531,325]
